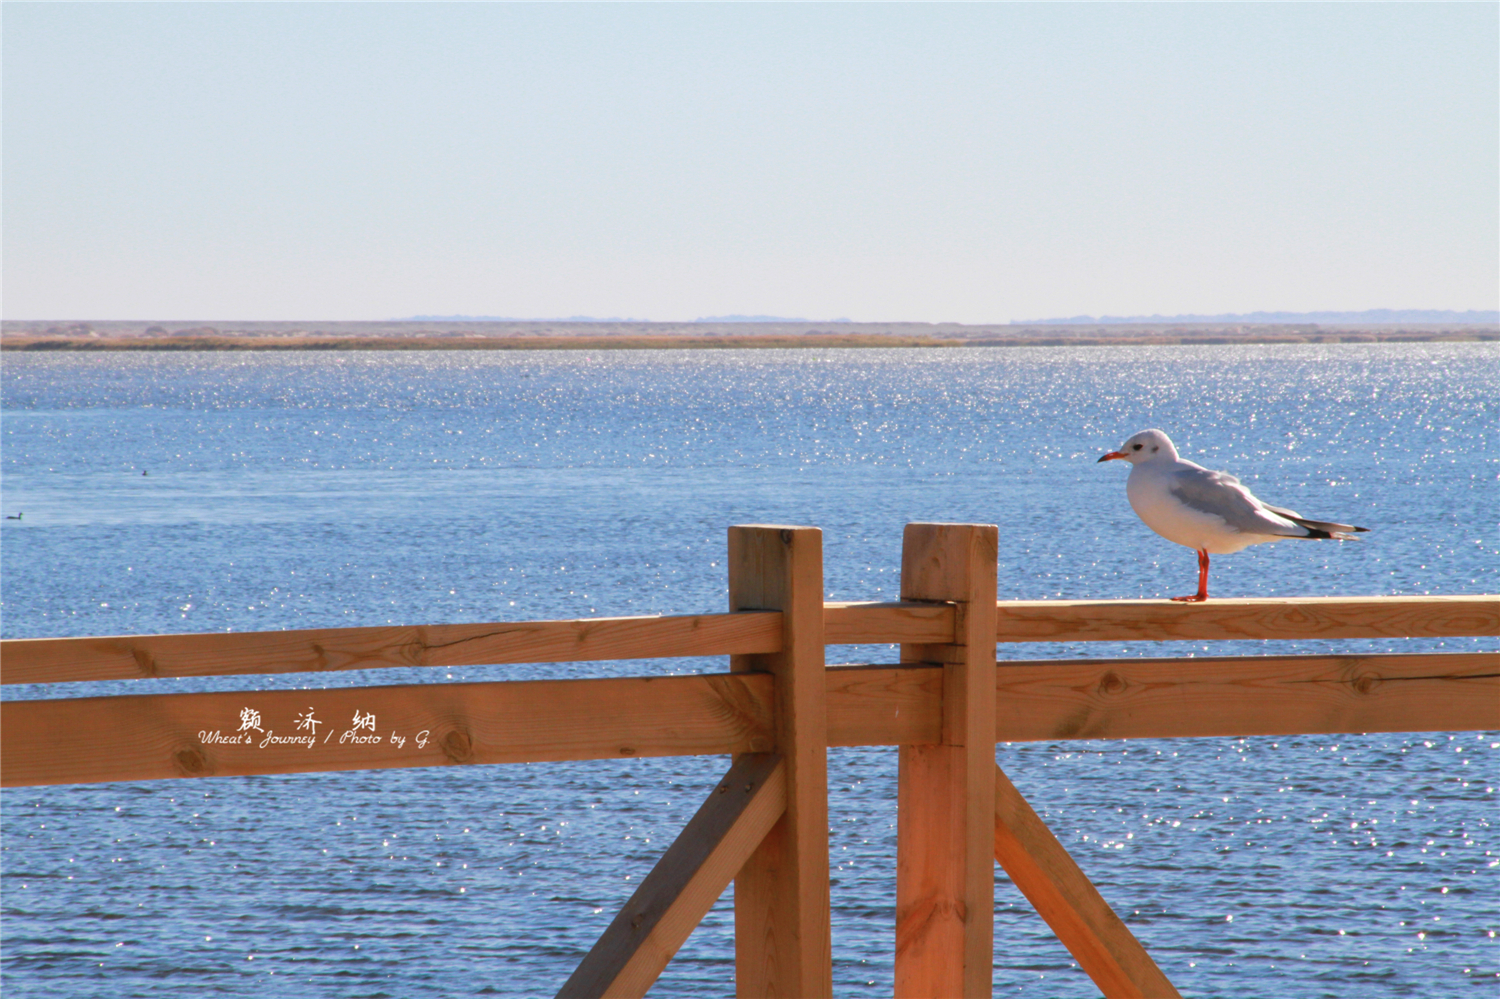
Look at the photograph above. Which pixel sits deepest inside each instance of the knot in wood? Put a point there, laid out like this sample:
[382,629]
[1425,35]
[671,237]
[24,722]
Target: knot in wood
[1366,683]
[191,761]
[144,662]
[458,746]
[1111,683]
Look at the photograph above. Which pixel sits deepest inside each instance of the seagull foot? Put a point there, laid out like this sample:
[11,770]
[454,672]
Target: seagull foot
[1192,598]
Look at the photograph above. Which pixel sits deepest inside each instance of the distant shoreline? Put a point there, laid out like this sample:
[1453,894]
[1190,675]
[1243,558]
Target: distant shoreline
[120,335]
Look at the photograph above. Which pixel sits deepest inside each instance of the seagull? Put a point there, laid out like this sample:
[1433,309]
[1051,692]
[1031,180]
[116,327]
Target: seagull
[1207,511]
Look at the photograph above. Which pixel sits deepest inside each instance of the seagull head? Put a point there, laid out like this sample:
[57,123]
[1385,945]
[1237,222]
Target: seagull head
[1148,445]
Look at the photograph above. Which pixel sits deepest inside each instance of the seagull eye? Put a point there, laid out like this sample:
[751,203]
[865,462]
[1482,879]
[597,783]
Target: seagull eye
[1136,447]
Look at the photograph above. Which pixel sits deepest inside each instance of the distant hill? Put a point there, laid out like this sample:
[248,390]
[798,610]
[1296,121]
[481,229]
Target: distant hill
[766,319]
[518,319]
[750,319]
[601,319]
[1340,318]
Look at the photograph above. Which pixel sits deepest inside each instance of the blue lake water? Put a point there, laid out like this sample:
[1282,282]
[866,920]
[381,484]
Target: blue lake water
[208,492]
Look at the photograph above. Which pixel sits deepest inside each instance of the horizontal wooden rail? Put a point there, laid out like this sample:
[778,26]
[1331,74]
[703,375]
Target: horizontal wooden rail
[148,737]
[85,740]
[894,623]
[128,657]
[1166,620]
[1259,618]
[1251,695]
[1054,700]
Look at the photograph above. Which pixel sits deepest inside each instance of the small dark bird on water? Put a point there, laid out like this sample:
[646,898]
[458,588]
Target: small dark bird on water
[13,516]
[1207,511]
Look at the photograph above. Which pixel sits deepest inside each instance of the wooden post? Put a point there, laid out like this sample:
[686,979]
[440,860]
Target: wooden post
[781,903]
[945,867]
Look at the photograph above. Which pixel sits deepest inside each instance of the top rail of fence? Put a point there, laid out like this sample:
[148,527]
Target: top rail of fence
[126,657]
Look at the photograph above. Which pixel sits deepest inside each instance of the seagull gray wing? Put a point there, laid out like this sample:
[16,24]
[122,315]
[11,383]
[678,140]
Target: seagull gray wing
[1221,495]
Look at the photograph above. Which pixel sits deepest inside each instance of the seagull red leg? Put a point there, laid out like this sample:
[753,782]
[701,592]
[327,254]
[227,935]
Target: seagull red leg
[1202,593]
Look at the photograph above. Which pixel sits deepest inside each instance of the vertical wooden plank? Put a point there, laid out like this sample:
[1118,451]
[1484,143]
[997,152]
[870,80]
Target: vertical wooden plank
[1063,895]
[782,946]
[931,912]
[945,867]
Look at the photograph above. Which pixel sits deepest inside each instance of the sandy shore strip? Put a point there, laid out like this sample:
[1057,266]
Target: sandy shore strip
[113,335]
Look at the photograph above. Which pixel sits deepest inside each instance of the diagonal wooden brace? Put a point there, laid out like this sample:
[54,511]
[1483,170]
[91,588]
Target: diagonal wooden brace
[684,884]
[1064,896]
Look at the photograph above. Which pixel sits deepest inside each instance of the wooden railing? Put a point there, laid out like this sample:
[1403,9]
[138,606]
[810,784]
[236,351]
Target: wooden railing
[777,710]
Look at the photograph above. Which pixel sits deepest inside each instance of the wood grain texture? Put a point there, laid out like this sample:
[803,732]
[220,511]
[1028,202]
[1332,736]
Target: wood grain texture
[1056,699]
[1246,695]
[151,737]
[1273,618]
[123,657]
[932,911]
[84,740]
[1063,895]
[783,944]
[684,884]
[945,868]
[885,705]
[887,623]
[128,657]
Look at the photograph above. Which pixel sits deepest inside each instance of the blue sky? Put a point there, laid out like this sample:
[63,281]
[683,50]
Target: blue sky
[926,162]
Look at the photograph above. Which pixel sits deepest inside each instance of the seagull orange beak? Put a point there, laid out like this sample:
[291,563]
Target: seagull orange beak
[1111,456]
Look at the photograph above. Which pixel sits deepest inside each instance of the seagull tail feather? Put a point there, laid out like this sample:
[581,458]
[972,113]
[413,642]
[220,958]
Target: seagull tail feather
[1327,529]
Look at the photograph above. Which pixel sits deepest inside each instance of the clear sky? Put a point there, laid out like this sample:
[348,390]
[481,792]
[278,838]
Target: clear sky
[931,162]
